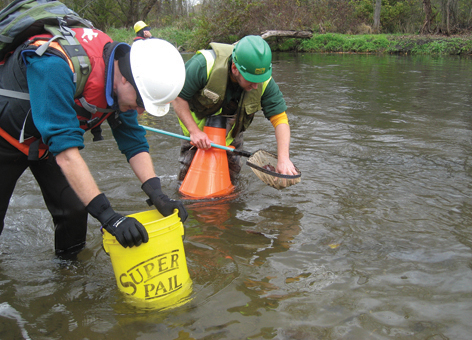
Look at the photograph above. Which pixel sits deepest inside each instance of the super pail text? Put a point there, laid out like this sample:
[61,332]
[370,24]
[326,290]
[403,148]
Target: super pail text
[157,276]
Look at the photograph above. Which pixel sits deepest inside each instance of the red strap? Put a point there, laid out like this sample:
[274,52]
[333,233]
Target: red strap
[24,147]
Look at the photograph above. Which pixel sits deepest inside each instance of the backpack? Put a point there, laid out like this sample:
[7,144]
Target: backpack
[23,19]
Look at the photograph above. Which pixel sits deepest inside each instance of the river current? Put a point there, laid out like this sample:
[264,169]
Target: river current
[373,243]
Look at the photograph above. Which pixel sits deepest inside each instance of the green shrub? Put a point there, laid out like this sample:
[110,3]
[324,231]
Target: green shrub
[189,40]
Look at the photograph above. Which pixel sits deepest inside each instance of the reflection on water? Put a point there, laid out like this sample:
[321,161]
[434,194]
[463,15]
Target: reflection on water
[374,243]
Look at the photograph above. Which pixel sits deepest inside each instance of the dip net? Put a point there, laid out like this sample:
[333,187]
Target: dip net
[264,163]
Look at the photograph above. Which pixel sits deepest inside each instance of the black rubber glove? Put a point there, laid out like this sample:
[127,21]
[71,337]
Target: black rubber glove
[166,206]
[127,230]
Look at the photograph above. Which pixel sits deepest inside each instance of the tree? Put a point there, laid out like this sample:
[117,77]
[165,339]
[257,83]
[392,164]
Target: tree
[376,26]
[428,17]
[449,14]
[125,13]
[135,10]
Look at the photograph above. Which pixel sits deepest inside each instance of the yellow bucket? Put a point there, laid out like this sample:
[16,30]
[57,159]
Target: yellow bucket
[154,274]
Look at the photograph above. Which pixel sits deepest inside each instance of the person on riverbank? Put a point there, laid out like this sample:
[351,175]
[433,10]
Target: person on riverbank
[233,82]
[142,30]
[46,132]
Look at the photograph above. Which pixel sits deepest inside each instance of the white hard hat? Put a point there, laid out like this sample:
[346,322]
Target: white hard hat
[159,73]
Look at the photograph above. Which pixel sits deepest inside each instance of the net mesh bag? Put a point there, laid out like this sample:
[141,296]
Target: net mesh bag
[263,164]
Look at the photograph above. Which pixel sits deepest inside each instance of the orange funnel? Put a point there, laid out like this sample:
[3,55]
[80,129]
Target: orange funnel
[208,175]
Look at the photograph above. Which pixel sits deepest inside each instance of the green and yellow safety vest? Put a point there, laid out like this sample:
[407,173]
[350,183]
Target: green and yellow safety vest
[209,101]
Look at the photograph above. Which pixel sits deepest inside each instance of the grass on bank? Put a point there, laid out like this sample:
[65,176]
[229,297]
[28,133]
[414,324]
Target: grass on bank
[327,43]
[379,43]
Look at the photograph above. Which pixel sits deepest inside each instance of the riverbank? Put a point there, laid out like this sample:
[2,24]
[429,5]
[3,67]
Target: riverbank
[330,42]
[382,44]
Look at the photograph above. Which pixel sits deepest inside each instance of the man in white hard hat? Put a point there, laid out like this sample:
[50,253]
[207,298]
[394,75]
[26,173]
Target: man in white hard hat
[123,82]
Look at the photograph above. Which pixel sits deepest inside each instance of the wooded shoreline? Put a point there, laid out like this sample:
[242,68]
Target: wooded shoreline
[309,42]
[372,43]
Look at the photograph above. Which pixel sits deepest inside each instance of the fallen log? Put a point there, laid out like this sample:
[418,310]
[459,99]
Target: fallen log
[289,34]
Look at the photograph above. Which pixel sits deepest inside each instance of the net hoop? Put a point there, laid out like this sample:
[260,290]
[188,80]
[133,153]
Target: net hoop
[261,159]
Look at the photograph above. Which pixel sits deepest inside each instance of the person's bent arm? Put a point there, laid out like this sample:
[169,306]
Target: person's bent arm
[128,231]
[197,137]
[131,141]
[55,118]
[284,164]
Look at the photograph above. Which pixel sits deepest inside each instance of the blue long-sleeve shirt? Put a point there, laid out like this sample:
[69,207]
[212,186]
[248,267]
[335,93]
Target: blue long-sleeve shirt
[51,88]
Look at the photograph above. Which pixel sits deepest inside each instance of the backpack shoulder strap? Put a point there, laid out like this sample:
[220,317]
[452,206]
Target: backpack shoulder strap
[15,94]
[74,51]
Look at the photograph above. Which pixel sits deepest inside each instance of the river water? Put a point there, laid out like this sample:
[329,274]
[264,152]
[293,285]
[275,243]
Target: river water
[374,243]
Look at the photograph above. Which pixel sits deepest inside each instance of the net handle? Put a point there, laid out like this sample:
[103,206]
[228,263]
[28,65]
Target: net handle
[167,133]
[238,152]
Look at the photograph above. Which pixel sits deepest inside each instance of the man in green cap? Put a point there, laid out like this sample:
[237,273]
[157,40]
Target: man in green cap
[230,83]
